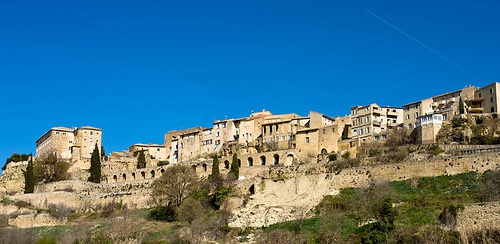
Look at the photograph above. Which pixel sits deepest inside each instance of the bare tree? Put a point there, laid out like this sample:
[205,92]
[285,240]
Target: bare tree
[173,186]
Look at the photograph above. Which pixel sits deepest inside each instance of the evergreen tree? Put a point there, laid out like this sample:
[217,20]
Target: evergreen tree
[95,166]
[141,160]
[29,177]
[235,167]
[215,166]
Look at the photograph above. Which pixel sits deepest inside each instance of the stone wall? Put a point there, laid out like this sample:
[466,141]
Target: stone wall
[281,199]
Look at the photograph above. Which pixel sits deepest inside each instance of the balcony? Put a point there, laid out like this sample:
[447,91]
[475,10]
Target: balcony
[377,122]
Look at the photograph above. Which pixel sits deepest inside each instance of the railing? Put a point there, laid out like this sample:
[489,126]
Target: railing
[469,149]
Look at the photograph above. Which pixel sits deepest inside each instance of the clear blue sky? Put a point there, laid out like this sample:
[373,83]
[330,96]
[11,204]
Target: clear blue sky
[138,69]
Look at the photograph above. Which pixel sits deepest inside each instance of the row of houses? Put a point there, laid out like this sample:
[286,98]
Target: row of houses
[310,135]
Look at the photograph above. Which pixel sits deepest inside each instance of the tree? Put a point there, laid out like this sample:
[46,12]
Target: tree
[29,177]
[95,166]
[345,133]
[141,160]
[461,105]
[215,166]
[16,157]
[103,154]
[50,168]
[173,186]
[235,167]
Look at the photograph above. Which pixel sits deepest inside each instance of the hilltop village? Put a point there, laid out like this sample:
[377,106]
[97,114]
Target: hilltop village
[264,138]
[281,158]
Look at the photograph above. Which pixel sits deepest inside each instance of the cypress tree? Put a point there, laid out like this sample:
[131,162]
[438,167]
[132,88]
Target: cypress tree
[95,166]
[235,167]
[141,160]
[215,166]
[29,177]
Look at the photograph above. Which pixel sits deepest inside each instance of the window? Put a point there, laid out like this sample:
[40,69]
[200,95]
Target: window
[367,130]
[367,119]
[64,133]
[491,99]
[410,126]
[445,116]
[57,132]
[407,116]
[91,139]
[377,138]
[264,140]
[70,142]
[91,133]
[307,139]
[157,149]
[416,115]
[479,94]
[182,145]
[384,136]
[217,142]
[217,134]
[282,138]
[288,137]
[491,90]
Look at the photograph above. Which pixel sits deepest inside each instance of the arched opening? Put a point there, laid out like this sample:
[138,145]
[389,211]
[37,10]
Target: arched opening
[251,190]
[124,177]
[239,162]
[152,174]
[204,168]
[276,159]
[194,168]
[162,171]
[289,159]
[250,161]
[226,164]
[115,179]
[133,175]
[324,152]
[143,174]
[262,160]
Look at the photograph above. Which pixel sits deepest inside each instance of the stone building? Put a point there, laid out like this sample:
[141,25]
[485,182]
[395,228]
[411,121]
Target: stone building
[154,151]
[447,105]
[371,122]
[75,144]
[486,100]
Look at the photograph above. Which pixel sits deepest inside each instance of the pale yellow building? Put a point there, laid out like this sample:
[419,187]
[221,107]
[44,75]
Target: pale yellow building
[371,122]
[154,151]
[76,144]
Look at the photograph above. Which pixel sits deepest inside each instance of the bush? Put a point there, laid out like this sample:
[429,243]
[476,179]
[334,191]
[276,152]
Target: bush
[489,189]
[449,215]
[174,185]
[416,235]
[161,163]
[59,211]
[21,204]
[16,157]
[337,166]
[434,150]
[50,168]
[332,157]
[162,214]
[374,152]
[189,210]
[46,240]
[346,155]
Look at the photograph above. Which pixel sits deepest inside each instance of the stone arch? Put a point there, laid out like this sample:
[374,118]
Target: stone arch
[143,174]
[276,159]
[289,159]
[115,178]
[133,175]
[152,174]
[162,171]
[204,167]
[324,151]
[262,160]
[124,177]
[250,161]
[226,164]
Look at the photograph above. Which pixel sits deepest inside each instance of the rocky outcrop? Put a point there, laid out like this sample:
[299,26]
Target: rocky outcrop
[35,220]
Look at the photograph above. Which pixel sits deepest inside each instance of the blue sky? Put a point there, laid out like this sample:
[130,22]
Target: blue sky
[138,69]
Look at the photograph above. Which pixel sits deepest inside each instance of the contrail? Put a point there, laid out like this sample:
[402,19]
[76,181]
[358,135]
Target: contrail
[417,41]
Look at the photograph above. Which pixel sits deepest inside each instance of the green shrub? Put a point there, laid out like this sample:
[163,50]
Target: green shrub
[21,204]
[434,150]
[46,240]
[162,214]
[489,190]
[161,163]
[332,157]
[346,155]
[449,214]
[374,152]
